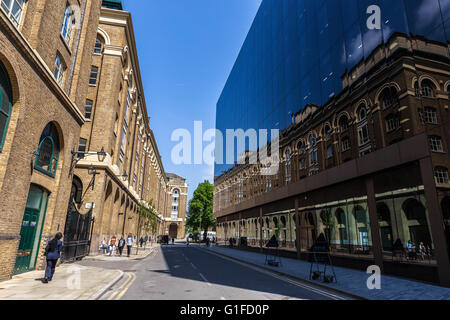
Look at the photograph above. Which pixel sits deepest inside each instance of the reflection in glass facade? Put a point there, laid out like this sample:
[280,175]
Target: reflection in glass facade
[298,51]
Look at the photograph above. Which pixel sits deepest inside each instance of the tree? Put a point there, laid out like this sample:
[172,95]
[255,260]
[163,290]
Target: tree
[147,217]
[200,210]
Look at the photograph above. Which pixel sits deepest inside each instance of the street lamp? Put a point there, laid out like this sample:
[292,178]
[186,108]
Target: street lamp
[77,156]
[94,173]
[101,155]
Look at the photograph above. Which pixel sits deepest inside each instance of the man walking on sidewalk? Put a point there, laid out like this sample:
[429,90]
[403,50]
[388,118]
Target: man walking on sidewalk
[129,243]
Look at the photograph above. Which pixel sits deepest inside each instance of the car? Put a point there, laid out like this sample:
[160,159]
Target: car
[163,239]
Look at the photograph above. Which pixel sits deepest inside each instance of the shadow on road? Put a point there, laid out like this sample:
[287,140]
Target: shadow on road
[224,272]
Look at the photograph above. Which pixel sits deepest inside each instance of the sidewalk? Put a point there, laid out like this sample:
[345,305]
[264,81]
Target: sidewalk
[71,282]
[141,254]
[349,280]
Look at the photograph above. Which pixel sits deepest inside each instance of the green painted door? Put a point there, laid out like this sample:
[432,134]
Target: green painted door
[30,233]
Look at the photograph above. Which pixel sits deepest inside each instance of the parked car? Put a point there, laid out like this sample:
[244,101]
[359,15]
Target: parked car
[163,239]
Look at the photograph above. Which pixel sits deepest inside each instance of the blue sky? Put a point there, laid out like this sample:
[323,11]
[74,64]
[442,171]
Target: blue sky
[186,50]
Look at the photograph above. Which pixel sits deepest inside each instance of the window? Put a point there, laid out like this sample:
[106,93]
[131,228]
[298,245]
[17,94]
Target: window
[392,122]
[345,144]
[427,88]
[98,46]
[302,163]
[88,109]
[313,171]
[362,114]
[330,152]
[343,123]
[363,129]
[436,144]
[363,135]
[441,175]
[417,90]
[59,70]
[67,25]
[288,166]
[82,147]
[389,97]
[301,147]
[13,9]
[48,151]
[429,115]
[5,103]
[93,76]
[328,133]
[313,149]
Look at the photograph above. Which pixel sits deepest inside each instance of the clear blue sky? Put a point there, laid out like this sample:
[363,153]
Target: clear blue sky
[186,51]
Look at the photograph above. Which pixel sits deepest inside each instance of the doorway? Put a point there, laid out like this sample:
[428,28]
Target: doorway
[31,230]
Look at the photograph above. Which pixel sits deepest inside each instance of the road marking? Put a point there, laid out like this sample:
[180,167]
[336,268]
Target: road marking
[298,284]
[111,297]
[127,287]
[204,279]
[193,266]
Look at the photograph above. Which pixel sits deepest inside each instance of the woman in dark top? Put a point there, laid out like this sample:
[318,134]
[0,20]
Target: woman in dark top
[53,253]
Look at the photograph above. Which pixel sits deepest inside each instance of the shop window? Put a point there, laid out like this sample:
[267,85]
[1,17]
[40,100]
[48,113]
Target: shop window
[48,151]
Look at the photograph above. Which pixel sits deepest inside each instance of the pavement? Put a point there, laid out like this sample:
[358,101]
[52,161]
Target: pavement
[139,254]
[180,272]
[70,282]
[350,281]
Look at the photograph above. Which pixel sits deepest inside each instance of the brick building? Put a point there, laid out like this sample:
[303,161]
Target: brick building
[368,168]
[42,87]
[77,154]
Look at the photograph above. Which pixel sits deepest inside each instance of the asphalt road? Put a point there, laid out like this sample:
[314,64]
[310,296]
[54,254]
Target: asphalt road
[179,272]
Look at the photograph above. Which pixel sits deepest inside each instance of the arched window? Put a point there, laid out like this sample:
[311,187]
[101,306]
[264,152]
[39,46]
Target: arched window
[345,144]
[417,89]
[77,190]
[384,213]
[363,129]
[313,158]
[428,89]
[48,151]
[389,97]
[362,113]
[340,216]
[98,46]
[414,210]
[5,103]
[301,147]
[327,132]
[343,123]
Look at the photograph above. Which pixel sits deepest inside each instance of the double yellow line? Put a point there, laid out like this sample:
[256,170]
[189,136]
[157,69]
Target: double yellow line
[118,294]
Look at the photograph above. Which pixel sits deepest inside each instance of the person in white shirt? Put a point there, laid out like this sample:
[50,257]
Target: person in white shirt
[130,241]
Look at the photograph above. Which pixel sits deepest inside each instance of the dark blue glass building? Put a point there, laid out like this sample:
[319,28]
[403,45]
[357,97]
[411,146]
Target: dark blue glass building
[297,51]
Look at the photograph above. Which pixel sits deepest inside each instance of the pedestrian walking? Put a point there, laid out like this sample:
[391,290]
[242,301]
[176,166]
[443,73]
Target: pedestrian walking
[121,245]
[52,253]
[130,241]
[112,245]
[141,241]
[173,240]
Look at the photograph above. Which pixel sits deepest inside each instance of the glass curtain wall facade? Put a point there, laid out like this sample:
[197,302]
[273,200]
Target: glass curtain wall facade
[297,52]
